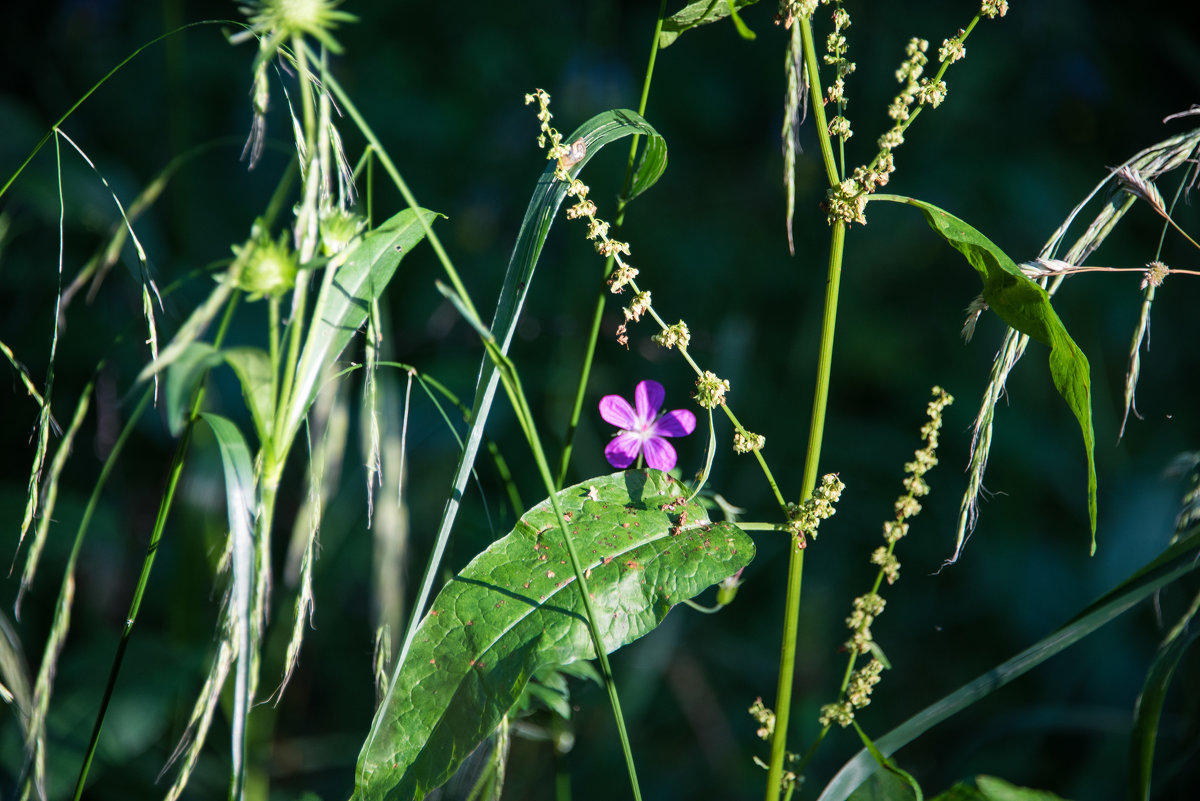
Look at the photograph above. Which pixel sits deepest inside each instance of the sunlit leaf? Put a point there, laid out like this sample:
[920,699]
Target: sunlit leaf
[514,610]
[343,303]
[1025,306]
[697,13]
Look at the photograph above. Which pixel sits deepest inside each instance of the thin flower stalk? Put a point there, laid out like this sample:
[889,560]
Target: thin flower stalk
[848,198]
[857,685]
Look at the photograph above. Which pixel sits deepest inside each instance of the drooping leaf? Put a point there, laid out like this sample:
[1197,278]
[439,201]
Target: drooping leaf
[1174,563]
[1025,306]
[344,301]
[548,195]
[514,610]
[697,13]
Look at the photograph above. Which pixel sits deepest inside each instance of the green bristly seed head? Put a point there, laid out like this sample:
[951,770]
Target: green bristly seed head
[264,267]
[278,19]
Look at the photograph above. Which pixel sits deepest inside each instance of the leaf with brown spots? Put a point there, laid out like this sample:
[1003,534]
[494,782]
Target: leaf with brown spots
[435,714]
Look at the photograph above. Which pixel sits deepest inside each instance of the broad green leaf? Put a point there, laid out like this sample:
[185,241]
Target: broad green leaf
[548,195]
[253,369]
[699,12]
[344,301]
[514,610]
[1174,563]
[186,369]
[239,500]
[1148,710]
[1025,306]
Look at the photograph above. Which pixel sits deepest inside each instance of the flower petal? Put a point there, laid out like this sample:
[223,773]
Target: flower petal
[623,450]
[649,398]
[675,423]
[659,453]
[616,411]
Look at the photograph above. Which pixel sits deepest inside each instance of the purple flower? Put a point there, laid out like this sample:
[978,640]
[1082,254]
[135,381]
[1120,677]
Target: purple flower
[642,429]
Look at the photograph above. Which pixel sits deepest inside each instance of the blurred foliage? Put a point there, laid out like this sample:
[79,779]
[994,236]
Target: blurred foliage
[1045,101]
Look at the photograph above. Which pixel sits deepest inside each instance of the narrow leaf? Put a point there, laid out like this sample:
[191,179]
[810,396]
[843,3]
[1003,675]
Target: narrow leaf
[1148,710]
[1025,306]
[239,498]
[343,303]
[742,28]
[514,610]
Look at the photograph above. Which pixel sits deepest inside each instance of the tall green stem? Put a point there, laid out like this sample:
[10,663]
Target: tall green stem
[816,429]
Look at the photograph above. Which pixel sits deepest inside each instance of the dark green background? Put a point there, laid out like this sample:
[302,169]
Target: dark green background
[1046,100]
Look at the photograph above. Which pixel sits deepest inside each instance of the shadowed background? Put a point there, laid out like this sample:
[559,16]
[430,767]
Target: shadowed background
[1046,100]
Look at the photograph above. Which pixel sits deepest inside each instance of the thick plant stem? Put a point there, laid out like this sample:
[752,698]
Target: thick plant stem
[816,430]
[791,619]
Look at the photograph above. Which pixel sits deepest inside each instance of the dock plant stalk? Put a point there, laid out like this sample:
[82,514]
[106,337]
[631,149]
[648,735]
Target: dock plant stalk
[791,612]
